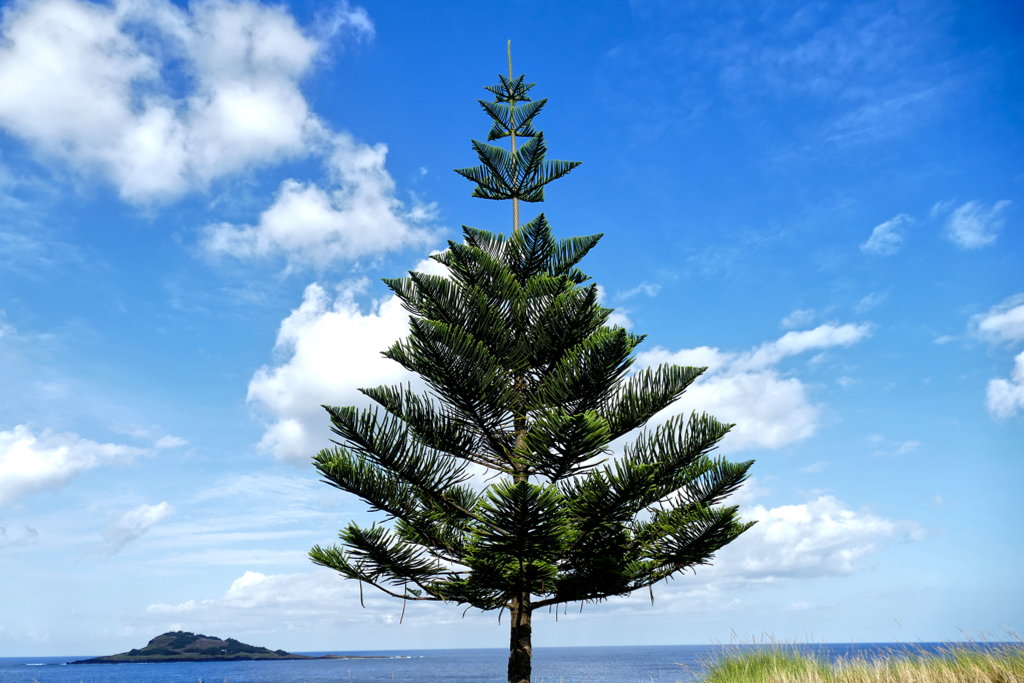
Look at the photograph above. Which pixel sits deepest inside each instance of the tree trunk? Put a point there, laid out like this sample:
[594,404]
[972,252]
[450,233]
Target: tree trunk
[520,645]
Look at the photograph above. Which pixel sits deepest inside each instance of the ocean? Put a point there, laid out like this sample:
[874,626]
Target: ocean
[635,664]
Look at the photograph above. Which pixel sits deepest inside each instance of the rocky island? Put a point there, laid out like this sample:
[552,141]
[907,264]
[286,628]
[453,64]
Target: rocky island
[182,646]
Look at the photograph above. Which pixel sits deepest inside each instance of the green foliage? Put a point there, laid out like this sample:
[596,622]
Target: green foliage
[954,663]
[528,382]
[523,172]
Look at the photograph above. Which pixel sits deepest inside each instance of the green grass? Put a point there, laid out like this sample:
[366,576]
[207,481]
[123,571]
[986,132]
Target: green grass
[953,664]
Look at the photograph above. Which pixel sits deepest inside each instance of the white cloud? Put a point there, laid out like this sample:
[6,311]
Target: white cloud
[870,301]
[814,467]
[169,442]
[887,237]
[311,226]
[642,288]
[907,447]
[801,317]
[160,439]
[619,316]
[940,208]
[133,524]
[1004,323]
[343,19]
[1005,397]
[30,463]
[794,343]
[286,594]
[818,538]
[309,600]
[769,410]
[333,350]
[160,100]
[749,491]
[972,226]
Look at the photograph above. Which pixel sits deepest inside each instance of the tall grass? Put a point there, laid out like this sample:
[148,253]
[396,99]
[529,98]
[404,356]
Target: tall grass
[791,664]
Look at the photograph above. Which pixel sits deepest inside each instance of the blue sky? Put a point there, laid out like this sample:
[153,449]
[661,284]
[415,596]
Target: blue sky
[820,201]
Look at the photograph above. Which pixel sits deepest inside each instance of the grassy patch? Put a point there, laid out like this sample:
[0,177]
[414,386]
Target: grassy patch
[791,664]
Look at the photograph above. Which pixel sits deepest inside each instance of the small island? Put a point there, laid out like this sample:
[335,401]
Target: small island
[182,646]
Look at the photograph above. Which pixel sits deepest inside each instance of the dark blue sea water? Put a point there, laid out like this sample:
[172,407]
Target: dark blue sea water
[653,664]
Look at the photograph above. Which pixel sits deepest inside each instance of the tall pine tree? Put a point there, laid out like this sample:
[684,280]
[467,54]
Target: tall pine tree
[527,380]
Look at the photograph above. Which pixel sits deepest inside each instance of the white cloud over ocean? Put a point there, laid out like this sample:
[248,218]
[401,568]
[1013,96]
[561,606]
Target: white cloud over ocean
[819,538]
[769,410]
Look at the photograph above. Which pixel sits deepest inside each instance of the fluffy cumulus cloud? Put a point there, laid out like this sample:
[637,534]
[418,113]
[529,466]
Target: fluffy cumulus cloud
[1004,324]
[157,98]
[887,238]
[1005,397]
[311,600]
[133,524]
[972,225]
[818,538]
[358,216]
[329,348]
[30,462]
[769,410]
[332,348]
[254,590]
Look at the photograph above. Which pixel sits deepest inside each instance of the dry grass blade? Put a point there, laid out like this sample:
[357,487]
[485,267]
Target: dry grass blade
[952,664]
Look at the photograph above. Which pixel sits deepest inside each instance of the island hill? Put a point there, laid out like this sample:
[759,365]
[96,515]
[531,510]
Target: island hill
[182,646]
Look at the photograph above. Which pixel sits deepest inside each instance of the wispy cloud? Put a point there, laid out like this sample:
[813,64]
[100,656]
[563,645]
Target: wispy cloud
[972,226]
[642,288]
[801,317]
[887,238]
[161,439]
[18,538]
[870,301]
[907,447]
[133,524]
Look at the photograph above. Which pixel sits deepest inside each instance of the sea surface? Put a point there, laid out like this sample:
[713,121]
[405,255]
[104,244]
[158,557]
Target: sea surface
[640,664]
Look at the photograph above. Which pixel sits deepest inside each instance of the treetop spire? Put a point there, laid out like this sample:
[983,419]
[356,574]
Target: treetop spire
[522,172]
